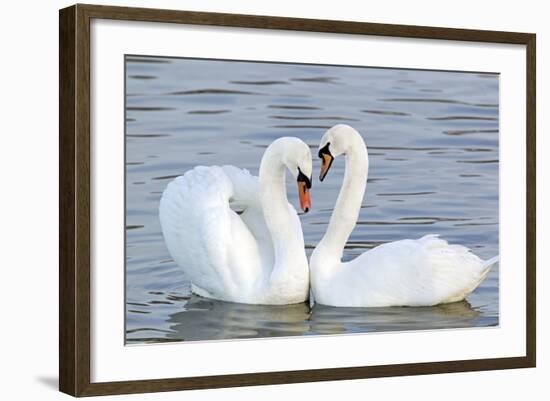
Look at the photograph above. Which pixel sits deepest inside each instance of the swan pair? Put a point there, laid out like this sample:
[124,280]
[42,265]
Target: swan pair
[258,256]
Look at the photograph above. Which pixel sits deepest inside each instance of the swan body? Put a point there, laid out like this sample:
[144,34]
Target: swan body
[423,272]
[256,257]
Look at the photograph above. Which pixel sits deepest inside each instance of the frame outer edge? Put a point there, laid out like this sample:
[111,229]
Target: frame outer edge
[531,202]
[67,265]
[74,202]
[302,24]
[82,200]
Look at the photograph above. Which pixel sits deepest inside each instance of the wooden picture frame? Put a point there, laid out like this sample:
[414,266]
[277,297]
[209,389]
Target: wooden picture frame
[74,199]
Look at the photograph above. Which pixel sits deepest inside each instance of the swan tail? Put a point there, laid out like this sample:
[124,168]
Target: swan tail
[490,262]
[485,269]
[487,265]
[459,271]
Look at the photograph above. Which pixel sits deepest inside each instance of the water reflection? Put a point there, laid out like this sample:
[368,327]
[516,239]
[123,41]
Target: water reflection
[203,319]
[331,320]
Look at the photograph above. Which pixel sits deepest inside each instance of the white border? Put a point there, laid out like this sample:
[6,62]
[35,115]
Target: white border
[112,361]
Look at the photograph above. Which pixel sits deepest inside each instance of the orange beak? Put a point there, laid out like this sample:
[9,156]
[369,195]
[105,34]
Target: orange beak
[325,164]
[305,199]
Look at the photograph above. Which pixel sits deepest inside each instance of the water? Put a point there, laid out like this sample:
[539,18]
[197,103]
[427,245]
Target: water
[433,147]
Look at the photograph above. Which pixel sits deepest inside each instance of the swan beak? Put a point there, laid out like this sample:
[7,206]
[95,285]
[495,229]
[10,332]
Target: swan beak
[325,164]
[305,199]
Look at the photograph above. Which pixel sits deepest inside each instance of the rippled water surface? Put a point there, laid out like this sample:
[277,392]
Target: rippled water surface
[433,146]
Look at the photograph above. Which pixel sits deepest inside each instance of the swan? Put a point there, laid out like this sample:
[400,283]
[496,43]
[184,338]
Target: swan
[423,272]
[255,257]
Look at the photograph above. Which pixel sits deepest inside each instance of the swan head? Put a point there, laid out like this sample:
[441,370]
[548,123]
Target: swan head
[335,142]
[296,156]
[297,159]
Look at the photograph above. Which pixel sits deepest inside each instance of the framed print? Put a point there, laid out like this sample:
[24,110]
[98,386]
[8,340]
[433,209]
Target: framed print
[297,200]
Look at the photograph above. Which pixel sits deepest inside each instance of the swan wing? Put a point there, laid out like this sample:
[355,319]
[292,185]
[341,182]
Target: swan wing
[205,237]
[246,199]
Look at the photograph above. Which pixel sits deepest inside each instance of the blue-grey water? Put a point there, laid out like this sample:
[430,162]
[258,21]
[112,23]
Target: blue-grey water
[433,145]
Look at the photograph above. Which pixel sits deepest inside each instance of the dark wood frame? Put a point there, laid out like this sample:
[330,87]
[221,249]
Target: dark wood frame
[74,199]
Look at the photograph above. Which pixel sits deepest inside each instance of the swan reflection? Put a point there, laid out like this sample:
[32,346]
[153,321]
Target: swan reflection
[205,320]
[336,320]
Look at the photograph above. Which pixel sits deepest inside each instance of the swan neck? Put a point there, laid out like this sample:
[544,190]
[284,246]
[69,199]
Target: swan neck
[348,204]
[273,197]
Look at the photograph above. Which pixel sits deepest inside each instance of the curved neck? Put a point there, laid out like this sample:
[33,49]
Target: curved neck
[348,205]
[279,221]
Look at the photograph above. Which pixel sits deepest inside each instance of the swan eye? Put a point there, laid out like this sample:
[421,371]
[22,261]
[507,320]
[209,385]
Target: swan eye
[303,178]
[327,159]
[324,150]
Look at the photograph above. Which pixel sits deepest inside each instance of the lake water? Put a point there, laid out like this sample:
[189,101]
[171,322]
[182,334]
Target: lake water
[433,147]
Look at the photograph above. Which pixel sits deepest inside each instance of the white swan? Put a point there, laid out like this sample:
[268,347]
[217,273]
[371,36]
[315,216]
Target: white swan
[422,272]
[256,257]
